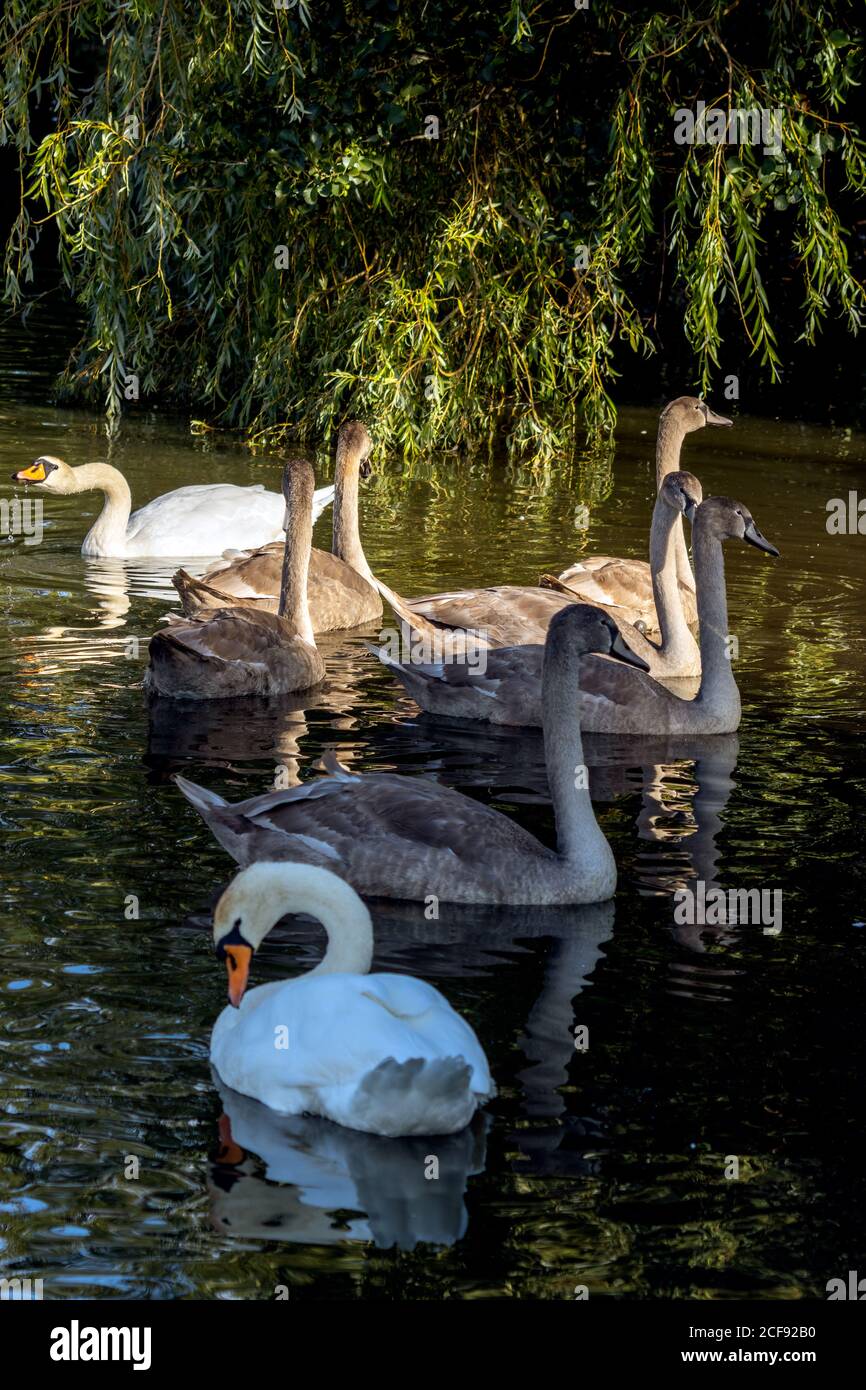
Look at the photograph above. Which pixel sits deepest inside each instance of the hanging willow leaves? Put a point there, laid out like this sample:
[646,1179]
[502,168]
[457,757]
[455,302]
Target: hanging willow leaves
[275,214]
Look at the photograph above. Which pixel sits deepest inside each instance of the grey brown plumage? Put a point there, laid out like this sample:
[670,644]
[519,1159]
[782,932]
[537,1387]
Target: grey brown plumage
[613,698]
[403,837]
[507,618]
[226,652]
[340,588]
[628,583]
[338,597]
[231,651]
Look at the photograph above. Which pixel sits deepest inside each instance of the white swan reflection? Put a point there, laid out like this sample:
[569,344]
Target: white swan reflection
[304,1180]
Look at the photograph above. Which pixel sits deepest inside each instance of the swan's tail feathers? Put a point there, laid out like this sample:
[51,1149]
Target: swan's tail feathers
[381,654]
[221,819]
[421,1096]
[200,797]
[415,678]
[195,594]
[332,765]
[322,498]
[435,642]
[550,581]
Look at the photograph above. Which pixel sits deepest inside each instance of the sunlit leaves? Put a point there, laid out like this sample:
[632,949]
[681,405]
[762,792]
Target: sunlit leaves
[431,284]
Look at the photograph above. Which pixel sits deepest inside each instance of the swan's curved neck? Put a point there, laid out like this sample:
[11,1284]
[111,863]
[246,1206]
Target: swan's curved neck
[347,923]
[108,532]
[346,535]
[293,605]
[675,634]
[717,676]
[669,443]
[579,839]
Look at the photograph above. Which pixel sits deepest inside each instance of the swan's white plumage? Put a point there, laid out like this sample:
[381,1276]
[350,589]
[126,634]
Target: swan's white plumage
[201,520]
[347,1037]
[385,1054]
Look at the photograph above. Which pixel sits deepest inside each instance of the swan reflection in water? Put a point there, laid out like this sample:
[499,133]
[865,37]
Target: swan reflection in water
[257,730]
[302,1179]
[684,783]
[99,634]
[117,585]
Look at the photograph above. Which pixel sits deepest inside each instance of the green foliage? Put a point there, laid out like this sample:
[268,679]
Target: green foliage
[252,220]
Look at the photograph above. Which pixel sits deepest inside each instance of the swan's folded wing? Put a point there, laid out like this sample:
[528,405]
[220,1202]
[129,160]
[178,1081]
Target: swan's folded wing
[432,1019]
[595,565]
[326,569]
[322,498]
[340,1027]
[486,675]
[248,573]
[623,584]
[364,815]
[234,634]
[606,681]
[213,514]
[508,615]
[337,595]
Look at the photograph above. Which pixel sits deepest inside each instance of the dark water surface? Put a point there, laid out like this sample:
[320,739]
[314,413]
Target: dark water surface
[605,1167]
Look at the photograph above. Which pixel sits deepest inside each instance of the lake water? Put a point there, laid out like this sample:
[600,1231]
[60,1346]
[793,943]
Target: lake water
[605,1167]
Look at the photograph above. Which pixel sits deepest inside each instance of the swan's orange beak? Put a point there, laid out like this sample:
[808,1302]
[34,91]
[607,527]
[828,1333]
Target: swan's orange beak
[229,1154]
[238,966]
[34,474]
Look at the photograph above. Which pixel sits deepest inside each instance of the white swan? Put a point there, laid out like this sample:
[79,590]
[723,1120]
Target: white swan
[385,1054]
[199,520]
